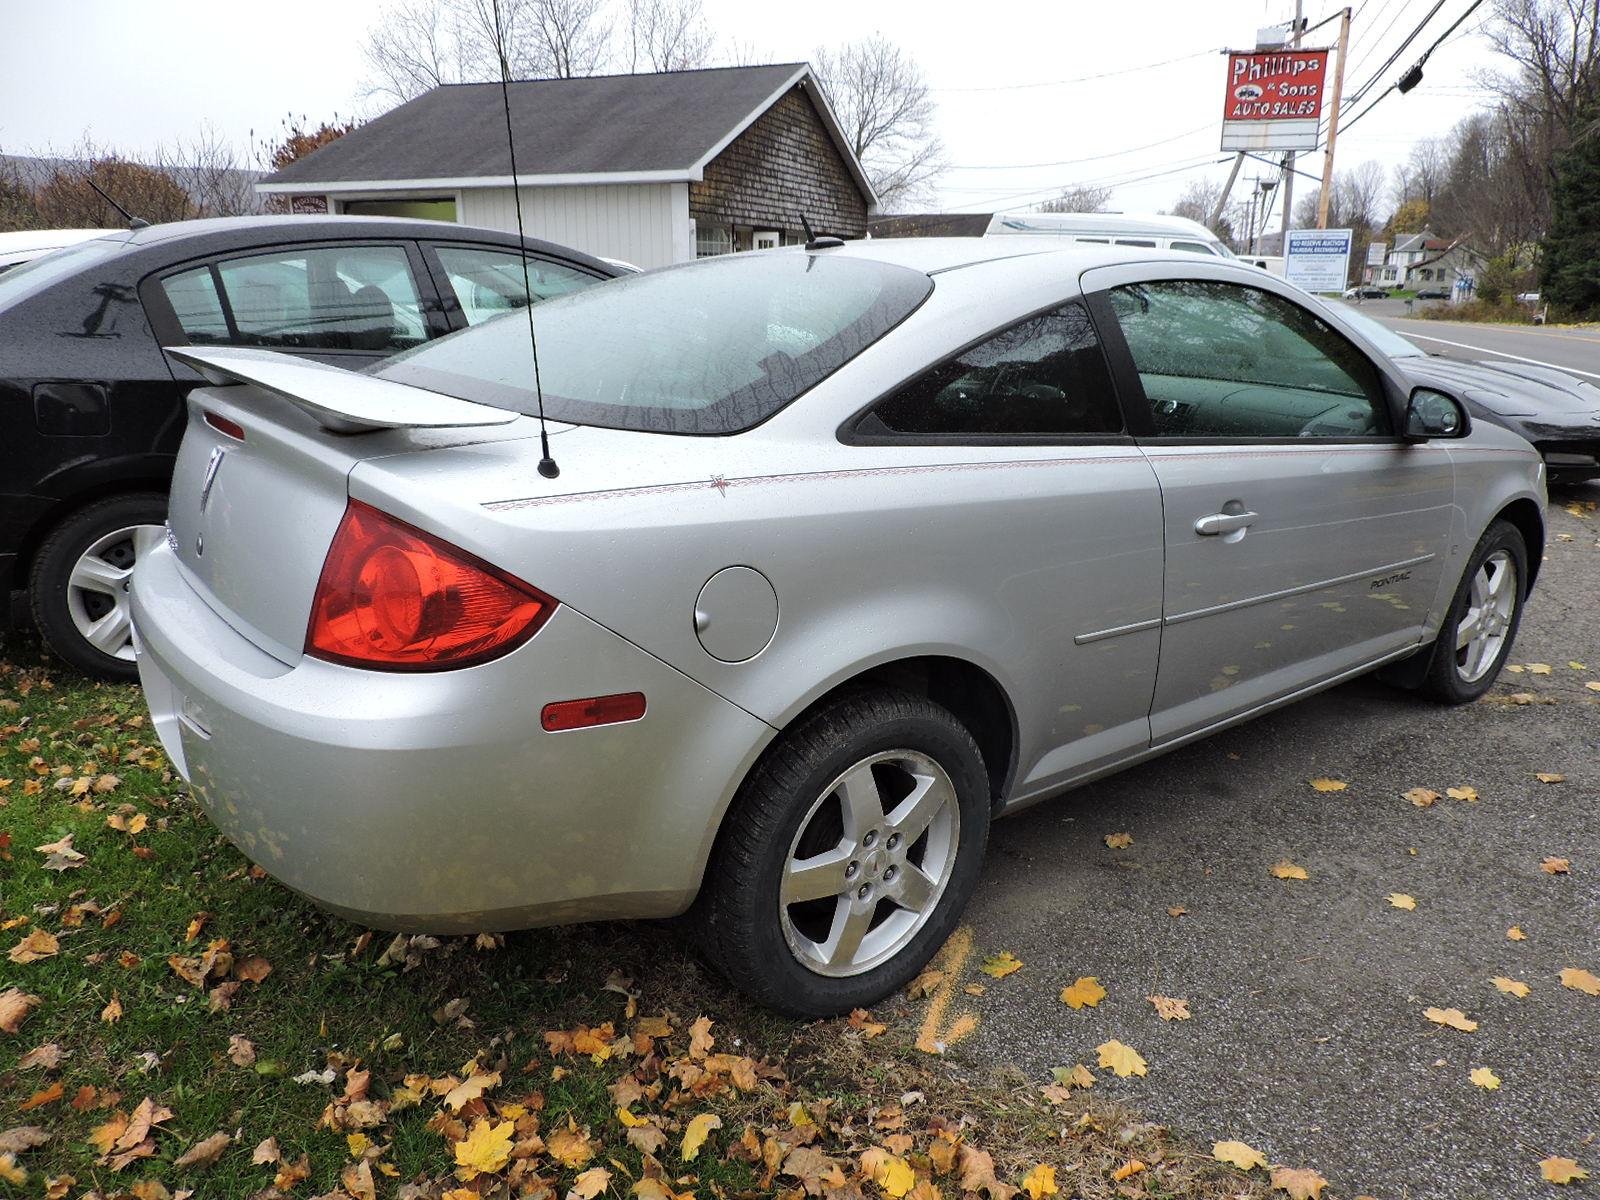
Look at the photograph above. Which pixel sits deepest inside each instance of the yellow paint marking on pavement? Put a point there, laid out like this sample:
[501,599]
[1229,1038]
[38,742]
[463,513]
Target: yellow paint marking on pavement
[952,958]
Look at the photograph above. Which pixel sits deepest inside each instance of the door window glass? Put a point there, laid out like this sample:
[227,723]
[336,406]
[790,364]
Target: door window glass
[1225,360]
[1136,242]
[1044,375]
[326,298]
[489,282]
[193,296]
[1193,247]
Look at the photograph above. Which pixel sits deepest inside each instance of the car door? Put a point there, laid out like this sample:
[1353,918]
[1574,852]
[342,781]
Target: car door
[476,282]
[1304,538]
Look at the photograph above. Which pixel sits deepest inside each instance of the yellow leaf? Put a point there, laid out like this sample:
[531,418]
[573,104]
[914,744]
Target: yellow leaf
[1422,797]
[1549,777]
[1511,987]
[1177,911]
[1170,1009]
[1561,1170]
[1302,1183]
[1555,866]
[38,944]
[1000,965]
[628,1119]
[359,1144]
[1238,1154]
[1577,666]
[1515,934]
[1401,900]
[571,1146]
[1076,1075]
[1087,991]
[1452,1017]
[1124,1060]
[1329,785]
[1593,685]
[10,1172]
[590,1184]
[889,1171]
[695,1136]
[1485,1078]
[1462,793]
[486,1148]
[471,1089]
[860,1019]
[1119,841]
[1285,869]
[1580,980]
[1127,1170]
[1538,668]
[1040,1182]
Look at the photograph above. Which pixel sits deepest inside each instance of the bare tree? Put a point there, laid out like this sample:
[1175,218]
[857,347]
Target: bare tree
[877,91]
[417,45]
[668,35]
[567,38]
[1081,199]
[207,168]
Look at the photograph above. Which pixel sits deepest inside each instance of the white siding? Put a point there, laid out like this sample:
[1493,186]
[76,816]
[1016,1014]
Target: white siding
[634,222]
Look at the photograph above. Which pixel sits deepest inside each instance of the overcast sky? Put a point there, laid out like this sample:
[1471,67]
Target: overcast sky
[1017,116]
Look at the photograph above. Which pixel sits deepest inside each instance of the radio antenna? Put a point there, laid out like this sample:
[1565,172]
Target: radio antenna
[547,465]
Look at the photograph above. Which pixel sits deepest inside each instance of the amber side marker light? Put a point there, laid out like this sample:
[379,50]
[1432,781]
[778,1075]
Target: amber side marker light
[596,710]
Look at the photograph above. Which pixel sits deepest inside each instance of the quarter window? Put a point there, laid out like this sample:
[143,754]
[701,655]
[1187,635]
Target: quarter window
[489,282]
[193,296]
[1222,360]
[1043,376]
[327,298]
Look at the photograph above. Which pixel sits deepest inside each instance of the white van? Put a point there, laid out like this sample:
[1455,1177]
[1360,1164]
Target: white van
[1154,230]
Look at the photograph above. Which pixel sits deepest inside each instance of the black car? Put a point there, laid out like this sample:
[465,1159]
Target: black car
[1432,293]
[92,409]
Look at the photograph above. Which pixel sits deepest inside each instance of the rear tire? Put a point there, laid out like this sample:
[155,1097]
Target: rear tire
[79,583]
[1481,624]
[848,855]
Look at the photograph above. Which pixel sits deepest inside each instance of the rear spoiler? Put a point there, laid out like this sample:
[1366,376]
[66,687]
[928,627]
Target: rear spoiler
[343,401]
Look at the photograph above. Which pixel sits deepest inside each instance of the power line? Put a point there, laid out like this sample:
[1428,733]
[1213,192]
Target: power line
[1357,96]
[1417,66]
[1016,87]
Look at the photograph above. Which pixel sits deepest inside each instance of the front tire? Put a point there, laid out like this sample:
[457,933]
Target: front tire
[79,584]
[1479,629]
[848,855]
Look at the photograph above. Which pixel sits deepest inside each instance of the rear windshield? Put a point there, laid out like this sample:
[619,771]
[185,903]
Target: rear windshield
[711,347]
[33,276]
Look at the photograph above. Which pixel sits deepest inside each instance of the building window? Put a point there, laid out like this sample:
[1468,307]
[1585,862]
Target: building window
[441,209]
[711,240]
[766,239]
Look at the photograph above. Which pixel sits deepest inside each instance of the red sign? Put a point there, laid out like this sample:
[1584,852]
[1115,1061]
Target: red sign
[1275,85]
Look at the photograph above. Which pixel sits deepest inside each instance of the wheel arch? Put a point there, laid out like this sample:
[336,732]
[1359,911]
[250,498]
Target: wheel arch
[1524,516]
[75,490]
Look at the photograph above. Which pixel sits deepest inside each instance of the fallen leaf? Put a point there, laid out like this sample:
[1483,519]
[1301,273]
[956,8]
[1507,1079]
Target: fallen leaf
[700,1039]
[1284,869]
[39,1099]
[196,924]
[1462,793]
[1485,1078]
[1401,900]
[1000,965]
[22,1138]
[1549,777]
[1170,1009]
[1593,685]
[1538,668]
[889,1171]
[861,1019]
[253,969]
[1511,987]
[589,1184]
[204,1153]
[10,1172]
[38,944]
[1128,1169]
[1580,980]
[242,1051]
[1555,866]
[1238,1154]
[570,1146]
[470,1089]
[1076,1075]
[1119,841]
[1302,1183]
[1176,911]
[695,1135]
[60,855]
[1515,934]
[1086,991]
[1561,1170]
[486,1148]
[1040,1182]
[978,1175]
[112,1012]
[1124,1060]
[1422,797]
[1452,1017]
[47,1056]
[266,1152]
[1329,785]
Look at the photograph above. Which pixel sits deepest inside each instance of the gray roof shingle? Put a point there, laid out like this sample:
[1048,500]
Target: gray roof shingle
[602,124]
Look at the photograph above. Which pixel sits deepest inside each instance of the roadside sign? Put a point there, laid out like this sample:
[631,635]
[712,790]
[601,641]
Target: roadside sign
[1318,260]
[1273,99]
[1375,253]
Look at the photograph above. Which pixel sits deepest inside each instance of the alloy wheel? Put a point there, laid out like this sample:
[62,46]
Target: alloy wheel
[1484,627]
[97,588]
[869,863]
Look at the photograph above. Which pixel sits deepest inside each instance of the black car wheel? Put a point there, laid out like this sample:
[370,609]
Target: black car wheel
[1481,625]
[80,581]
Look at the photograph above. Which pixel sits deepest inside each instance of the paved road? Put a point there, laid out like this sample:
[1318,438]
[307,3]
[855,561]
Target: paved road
[1576,350]
[1307,1038]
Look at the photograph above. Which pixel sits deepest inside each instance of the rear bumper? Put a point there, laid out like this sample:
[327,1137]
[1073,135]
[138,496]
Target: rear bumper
[435,802]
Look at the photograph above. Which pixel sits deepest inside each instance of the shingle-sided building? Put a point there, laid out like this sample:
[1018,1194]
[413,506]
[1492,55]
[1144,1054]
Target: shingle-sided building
[653,169]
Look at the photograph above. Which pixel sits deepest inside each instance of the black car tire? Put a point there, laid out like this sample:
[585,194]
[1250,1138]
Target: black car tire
[53,565]
[738,919]
[1444,680]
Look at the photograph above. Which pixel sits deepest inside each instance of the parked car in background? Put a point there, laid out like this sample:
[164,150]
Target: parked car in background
[1432,293]
[1559,413]
[91,409]
[1364,291]
[1148,230]
[1028,517]
[28,244]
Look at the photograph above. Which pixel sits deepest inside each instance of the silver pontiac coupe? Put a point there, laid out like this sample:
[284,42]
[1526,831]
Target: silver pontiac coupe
[837,553]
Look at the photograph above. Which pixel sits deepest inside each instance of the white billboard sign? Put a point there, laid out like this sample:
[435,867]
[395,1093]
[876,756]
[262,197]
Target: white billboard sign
[1375,253]
[1318,260]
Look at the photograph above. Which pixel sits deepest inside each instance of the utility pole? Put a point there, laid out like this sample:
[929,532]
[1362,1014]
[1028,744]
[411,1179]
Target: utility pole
[1333,124]
[1222,199]
[1288,159]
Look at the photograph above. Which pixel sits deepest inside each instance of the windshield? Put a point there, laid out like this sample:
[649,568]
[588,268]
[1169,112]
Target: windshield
[711,347]
[1380,335]
[35,275]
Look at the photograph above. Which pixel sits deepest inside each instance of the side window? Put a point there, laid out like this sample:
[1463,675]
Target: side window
[325,298]
[1193,247]
[489,282]
[1226,360]
[1044,375]
[1136,242]
[193,296]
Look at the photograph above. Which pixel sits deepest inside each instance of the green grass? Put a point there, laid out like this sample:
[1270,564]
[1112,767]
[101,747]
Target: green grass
[324,1004]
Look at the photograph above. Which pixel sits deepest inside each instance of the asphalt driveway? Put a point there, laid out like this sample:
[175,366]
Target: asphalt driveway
[1308,1038]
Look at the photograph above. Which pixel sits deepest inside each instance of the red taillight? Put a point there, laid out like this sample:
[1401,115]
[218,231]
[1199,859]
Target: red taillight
[596,710]
[222,425]
[398,599]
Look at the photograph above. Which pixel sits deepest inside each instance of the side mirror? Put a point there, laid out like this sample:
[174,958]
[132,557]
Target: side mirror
[1431,414]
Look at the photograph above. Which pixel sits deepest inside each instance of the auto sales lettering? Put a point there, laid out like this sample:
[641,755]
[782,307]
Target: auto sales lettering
[1275,85]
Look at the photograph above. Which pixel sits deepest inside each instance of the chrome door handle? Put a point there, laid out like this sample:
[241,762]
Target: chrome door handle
[1220,523]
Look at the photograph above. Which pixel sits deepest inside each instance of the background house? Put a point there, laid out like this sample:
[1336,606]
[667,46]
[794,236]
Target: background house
[1424,260]
[653,169]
